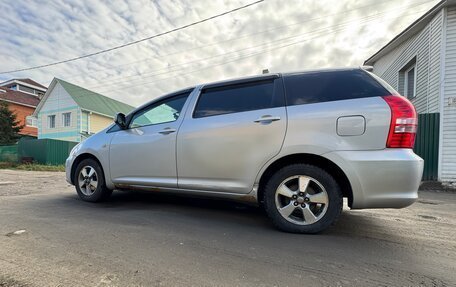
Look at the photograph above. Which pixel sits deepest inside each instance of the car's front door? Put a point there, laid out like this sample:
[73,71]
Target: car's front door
[144,154]
[234,130]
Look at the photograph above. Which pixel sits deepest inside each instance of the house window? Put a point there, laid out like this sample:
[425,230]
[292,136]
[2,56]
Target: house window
[31,121]
[407,79]
[410,82]
[85,122]
[51,121]
[66,119]
[26,89]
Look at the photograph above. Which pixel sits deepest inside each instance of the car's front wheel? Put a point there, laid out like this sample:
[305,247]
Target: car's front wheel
[303,198]
[90,182]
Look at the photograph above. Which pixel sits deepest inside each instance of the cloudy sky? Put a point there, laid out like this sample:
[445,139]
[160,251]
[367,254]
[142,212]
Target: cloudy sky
[275,34]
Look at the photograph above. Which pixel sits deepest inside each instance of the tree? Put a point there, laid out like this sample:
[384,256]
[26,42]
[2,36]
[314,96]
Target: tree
[9,125]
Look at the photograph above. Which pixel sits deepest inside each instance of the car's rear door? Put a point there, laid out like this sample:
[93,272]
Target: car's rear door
[233,130]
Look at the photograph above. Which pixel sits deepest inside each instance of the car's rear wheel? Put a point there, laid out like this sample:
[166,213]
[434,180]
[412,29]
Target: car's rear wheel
[89,181]
[303,198]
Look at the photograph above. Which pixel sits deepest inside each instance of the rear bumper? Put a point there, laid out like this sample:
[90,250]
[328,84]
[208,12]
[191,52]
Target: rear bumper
[387,178]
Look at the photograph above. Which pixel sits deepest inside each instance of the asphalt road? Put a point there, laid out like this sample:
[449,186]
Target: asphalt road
[144,239]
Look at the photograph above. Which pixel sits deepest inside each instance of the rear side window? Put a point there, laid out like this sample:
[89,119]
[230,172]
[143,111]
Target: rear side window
[235,98]
[328,86]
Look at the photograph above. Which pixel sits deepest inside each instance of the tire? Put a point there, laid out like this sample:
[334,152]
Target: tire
[302,198]
[90,184]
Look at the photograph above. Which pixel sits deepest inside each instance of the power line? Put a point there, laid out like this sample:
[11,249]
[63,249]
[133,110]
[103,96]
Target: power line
[153,73]
[230,61]
[235,38]
[248,55]
[243,57]
[122,78]
[236,59]
[135,42]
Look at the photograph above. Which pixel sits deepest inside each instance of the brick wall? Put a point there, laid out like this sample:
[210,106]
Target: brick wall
[22,112]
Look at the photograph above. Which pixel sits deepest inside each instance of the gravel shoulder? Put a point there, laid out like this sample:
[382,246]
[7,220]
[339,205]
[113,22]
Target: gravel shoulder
[145,239]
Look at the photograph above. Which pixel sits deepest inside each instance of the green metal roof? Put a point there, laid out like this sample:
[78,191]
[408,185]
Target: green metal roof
[94,102]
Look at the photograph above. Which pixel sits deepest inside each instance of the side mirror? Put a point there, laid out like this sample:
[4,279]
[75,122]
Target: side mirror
[121,121]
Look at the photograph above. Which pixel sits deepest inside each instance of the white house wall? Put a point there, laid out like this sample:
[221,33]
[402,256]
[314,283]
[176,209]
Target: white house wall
[59,102]
[382,66]
[448,161]
[425,46]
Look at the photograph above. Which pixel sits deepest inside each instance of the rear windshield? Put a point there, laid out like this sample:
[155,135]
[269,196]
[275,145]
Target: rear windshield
[307,88]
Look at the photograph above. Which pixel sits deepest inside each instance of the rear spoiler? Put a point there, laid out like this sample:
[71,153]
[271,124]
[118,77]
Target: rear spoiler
[367,68]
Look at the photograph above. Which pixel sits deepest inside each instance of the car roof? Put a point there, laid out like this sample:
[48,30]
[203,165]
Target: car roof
[234,81]
[274,75]
[324,70]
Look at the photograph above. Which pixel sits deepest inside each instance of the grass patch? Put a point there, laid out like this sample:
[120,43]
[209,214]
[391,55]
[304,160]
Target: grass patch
[31,167]
[8,282]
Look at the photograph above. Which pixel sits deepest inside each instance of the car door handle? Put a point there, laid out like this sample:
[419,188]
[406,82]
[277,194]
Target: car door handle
[166,131]
[267,119]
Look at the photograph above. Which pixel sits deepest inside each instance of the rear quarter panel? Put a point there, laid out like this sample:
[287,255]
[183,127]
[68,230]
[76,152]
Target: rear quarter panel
[312,128]
[315,126]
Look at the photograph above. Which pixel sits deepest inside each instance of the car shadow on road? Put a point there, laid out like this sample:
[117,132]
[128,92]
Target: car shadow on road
[351,224]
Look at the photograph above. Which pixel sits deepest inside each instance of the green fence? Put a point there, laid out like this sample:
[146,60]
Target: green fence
[8,153]
[427,144]
[45,151]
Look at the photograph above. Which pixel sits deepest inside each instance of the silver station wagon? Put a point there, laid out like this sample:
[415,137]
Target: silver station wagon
[295,144]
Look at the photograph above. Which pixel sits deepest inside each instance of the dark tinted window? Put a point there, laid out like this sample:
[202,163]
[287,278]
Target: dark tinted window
[317,87]
[236,98]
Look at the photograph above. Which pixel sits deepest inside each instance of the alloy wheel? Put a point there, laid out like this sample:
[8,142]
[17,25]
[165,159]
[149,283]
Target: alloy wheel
[88,180]
[301,200]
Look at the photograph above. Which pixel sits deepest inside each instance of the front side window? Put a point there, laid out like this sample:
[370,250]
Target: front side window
[51,121]
[163,112]
[235,98]
[66,119]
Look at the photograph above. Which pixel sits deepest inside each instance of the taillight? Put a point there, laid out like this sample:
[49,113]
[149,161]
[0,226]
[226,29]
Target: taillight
[404,122]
